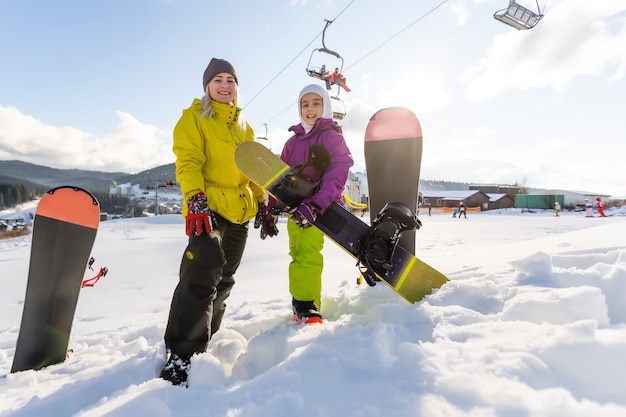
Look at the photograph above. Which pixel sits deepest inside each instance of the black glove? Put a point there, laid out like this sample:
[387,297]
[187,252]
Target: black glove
[266,219]
[260,215]
[268,227]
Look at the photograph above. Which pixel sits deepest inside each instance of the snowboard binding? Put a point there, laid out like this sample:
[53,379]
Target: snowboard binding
[90,282]
[376,254]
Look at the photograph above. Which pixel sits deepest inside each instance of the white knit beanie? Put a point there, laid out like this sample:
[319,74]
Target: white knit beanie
[327,112]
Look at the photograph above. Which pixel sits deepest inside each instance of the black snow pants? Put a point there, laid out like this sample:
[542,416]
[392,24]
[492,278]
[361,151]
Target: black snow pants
[206,278]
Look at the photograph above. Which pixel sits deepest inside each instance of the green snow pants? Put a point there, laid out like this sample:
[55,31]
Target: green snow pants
[307,262]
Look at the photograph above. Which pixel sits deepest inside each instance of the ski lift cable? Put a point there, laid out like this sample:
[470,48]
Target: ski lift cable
[297,55]
[397,34]
[540,9]
[364,56]
[279,72]
[281,112]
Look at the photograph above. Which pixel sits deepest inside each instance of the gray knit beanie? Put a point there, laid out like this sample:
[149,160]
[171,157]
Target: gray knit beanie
[217,66]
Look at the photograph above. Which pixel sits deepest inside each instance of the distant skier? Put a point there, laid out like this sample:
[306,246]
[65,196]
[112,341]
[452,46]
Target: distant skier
[600,205]
[335,78]
[462,210]
[557,208]
[588,208]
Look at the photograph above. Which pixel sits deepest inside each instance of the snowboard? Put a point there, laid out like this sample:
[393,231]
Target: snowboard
[410,277]
[64,229]
[393,155]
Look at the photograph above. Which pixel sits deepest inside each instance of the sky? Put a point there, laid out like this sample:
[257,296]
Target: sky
[532,323]
[101,84]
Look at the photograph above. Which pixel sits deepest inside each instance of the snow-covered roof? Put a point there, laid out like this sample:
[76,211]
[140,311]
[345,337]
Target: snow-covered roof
[495,196]
[450,194]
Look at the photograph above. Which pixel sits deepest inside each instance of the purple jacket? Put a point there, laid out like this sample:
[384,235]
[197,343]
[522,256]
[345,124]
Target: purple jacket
[326,133]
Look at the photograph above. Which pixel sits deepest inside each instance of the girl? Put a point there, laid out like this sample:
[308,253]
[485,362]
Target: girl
[316,127]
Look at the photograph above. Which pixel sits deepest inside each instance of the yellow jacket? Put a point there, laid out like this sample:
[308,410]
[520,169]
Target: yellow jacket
[204,150]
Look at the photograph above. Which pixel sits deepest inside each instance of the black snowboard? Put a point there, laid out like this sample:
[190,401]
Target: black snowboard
[407,275]
[393,156]
[64,230]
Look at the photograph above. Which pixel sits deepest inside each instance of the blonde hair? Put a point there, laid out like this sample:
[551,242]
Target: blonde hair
[208,111]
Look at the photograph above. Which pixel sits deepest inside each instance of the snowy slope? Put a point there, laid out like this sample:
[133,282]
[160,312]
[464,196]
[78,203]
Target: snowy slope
[533,323]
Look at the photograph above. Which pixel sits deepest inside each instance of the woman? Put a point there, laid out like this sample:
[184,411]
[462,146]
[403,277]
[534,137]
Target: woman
[219,203]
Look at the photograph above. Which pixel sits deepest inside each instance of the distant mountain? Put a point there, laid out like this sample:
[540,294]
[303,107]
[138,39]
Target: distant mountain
[38,176]
[149,178]
[430,185]
[12,180]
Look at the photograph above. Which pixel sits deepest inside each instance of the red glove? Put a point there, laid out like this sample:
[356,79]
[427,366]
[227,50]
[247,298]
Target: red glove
[199,218]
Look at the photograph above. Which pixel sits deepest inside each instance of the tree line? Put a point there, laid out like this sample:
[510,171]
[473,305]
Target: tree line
[118,204]
[14,194]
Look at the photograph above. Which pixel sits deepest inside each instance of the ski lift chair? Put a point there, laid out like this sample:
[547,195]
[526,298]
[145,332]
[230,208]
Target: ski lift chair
[338,107]
[518,16]
[317,72]
[323,73]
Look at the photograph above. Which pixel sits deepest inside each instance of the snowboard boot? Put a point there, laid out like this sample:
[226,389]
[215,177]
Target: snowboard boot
[305,312]
[175,370]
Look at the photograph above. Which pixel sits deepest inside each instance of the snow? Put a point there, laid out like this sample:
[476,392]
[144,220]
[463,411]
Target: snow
[532,323]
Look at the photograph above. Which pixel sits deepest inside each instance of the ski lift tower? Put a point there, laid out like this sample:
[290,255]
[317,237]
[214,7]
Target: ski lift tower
[265,138]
